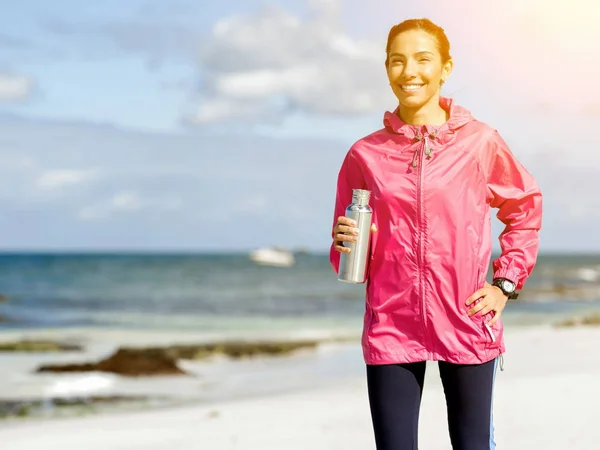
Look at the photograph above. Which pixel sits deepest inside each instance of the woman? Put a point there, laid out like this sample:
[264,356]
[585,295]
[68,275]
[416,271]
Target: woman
[435,172]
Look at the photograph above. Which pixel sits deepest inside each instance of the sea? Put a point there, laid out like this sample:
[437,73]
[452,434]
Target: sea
[228,294]
[109,300]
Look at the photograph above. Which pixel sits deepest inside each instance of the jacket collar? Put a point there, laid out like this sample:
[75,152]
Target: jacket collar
[459,116]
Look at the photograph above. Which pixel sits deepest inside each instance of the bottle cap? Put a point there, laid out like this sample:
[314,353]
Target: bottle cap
[361,196]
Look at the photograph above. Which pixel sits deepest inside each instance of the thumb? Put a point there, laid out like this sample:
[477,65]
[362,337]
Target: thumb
[373,228]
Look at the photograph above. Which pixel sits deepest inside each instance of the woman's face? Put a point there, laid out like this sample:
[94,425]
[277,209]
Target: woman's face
[415,69]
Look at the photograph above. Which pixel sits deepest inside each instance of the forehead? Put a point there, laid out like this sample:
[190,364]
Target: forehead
[413,41]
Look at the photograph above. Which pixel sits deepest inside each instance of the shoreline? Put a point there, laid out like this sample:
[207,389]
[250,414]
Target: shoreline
[543,399]
[206,381]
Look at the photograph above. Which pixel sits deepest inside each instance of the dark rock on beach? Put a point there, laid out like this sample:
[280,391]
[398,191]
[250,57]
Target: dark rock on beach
[238,349]
[163,360]
[126,362]
[38,406]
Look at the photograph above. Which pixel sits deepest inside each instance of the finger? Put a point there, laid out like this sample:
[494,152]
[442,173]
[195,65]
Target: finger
[342,249]
[486,309]
[476,295]
[478,307]
[374,228]
[345,238]
[347,229]
[343,220]
[495,319]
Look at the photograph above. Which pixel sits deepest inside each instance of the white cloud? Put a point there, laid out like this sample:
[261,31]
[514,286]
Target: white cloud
[13,87]
[325,7]
[126,201]
[129,202]
[276,62]
[56,179]
[221,109]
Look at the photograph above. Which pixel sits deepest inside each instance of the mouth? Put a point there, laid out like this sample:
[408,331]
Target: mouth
[411,87]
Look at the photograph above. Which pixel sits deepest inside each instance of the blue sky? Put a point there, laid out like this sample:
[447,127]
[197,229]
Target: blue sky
[181,125]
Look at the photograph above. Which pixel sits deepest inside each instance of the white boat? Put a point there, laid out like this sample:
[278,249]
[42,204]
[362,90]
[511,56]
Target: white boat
[272,256]
[588,274]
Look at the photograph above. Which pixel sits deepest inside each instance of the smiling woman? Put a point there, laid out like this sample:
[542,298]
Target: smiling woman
[434,173]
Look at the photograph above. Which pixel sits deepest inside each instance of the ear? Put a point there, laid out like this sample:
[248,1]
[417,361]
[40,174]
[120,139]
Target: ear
[447,70]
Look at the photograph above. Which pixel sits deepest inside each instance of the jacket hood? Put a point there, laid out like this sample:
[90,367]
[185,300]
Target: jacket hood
[459,116]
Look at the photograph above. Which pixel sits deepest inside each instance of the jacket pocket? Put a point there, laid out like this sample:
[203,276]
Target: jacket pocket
[479,320]
[490,333]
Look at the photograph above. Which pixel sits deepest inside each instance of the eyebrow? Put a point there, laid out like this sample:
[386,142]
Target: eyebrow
[424,52]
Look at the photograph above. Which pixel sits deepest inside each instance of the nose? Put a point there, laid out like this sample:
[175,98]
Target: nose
[410,69]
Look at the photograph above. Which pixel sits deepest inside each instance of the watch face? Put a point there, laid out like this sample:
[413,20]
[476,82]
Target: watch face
[508,286]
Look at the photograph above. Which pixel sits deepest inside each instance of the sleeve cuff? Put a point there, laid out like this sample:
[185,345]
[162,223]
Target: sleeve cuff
[510,274]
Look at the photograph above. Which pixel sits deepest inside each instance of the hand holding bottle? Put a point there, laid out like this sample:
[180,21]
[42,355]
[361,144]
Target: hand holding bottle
[345,231]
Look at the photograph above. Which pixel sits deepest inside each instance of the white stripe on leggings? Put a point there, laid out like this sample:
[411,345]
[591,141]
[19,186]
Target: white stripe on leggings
[492,442]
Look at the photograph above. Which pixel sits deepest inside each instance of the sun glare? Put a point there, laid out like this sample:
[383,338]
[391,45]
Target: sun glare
[571,20]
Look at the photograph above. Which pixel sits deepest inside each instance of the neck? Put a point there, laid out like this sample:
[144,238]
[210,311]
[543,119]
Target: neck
[431,113]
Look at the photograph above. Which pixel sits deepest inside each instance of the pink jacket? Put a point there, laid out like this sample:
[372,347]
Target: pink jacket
[432,189]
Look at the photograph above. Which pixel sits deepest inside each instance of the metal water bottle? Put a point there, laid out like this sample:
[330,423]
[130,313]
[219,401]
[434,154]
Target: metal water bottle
[353,265]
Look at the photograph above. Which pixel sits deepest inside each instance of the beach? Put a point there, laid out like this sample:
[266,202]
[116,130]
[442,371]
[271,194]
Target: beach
[100,305]
[546,398]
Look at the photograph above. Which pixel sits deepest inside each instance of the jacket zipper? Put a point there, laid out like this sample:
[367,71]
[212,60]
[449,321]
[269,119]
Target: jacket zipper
[425,149]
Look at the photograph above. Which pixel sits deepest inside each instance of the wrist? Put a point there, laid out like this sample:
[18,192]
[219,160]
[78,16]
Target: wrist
[506,286]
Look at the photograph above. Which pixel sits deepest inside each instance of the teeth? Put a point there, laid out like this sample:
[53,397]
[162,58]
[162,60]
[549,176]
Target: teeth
[411,87]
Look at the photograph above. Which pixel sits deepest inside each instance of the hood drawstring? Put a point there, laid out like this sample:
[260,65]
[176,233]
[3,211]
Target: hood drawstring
[426,146]
[428,149]
[416,154]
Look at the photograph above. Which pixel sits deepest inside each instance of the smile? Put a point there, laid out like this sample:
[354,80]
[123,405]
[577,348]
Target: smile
[411,87]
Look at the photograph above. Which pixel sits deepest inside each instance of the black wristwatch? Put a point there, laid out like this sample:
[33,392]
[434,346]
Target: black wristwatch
[507,287]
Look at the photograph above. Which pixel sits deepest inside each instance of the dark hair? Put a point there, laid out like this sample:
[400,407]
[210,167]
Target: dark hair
[421,24]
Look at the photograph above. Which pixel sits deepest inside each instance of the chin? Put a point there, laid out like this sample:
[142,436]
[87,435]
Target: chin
[413,101]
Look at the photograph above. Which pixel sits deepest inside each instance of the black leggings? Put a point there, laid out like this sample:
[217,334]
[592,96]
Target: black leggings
[395,398]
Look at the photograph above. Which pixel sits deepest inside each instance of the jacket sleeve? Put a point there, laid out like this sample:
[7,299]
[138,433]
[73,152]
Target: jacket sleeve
[515,193]
[349,177]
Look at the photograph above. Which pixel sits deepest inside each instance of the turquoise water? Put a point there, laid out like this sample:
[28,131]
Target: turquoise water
[230,293]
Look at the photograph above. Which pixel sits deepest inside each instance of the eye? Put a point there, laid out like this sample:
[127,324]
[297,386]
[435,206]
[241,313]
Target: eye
[424,59]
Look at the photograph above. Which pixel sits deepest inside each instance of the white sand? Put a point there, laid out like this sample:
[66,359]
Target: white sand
[547,398]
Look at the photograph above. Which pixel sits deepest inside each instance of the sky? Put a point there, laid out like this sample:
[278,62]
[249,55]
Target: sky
[182,125]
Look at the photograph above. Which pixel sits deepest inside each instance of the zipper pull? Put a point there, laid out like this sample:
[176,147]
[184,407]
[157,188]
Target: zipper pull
[416,155]
[415,158]
[428,149]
